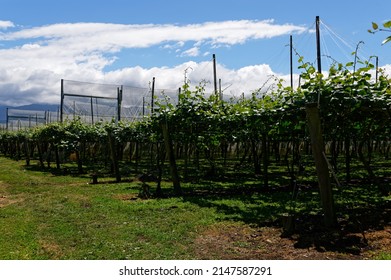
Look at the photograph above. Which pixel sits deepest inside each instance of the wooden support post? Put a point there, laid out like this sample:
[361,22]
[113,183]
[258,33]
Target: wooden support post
[114,157]
[265,155]
[27,151]
[79,161]
[171,158]
[322,170]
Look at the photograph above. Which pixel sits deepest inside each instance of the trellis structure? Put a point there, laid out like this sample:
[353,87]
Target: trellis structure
[17,119]
[106,102]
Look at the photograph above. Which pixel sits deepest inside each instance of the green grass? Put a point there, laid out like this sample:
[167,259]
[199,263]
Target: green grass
[384,256]
[62,217]
[44,216]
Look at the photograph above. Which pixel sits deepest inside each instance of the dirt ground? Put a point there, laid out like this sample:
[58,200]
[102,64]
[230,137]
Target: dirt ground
[233,241]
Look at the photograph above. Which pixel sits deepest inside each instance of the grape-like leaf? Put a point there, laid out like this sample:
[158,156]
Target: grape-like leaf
[387,24]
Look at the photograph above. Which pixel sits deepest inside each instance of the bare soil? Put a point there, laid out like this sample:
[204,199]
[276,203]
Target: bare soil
[241,241]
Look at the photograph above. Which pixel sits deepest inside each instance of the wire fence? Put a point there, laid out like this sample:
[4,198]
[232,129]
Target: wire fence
[106,102]
[18,119]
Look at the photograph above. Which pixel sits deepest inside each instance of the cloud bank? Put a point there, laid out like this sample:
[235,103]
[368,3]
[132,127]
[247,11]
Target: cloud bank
[33,60]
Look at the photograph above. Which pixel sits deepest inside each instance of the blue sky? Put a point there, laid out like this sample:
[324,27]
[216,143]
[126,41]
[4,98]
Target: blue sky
[129,42]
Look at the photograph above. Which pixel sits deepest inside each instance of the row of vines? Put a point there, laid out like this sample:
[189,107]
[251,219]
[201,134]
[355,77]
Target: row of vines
[209,136]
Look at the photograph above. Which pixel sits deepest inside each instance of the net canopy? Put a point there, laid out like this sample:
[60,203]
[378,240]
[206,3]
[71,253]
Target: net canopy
[20,119]
[103,102]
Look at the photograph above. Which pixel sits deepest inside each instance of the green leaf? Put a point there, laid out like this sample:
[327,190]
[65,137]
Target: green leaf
[387,24]
[388,39]
[349,64]
[375,26]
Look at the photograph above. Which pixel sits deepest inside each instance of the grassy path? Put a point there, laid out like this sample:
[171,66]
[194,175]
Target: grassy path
[61,217]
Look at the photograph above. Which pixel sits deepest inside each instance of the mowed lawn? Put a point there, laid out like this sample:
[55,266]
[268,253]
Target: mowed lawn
[47,216]
[43,216]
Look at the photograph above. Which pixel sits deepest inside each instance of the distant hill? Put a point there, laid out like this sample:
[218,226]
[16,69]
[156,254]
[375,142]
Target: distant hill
[33,107]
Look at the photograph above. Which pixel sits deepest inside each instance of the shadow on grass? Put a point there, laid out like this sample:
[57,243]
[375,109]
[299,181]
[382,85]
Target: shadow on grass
[350,235]
[64,171]
[361,208]
[234,208]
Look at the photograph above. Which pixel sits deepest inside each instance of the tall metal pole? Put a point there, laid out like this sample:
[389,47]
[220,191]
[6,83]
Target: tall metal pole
[152,95]
[62,100]
[92,111]
[7,119]
[143,106]
[318,45]
[119,102]
[291,60]
[214,74]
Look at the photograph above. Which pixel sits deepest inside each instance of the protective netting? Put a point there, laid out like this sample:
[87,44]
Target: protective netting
[103,102]
[135,102]
[20,119]
[89,109]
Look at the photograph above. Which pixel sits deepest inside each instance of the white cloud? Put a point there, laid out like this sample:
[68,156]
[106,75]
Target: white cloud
[177,45]
[387,69]
[20,86]
[23,86]
[4,24]
[103,36]
[30,72]
[30,46]
[191,52]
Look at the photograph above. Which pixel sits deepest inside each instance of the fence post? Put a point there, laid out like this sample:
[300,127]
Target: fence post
[152,95]
[119,102]
[6,124]
[62,101]
[317,145]
[214,75]
[92,111]
[143,106]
